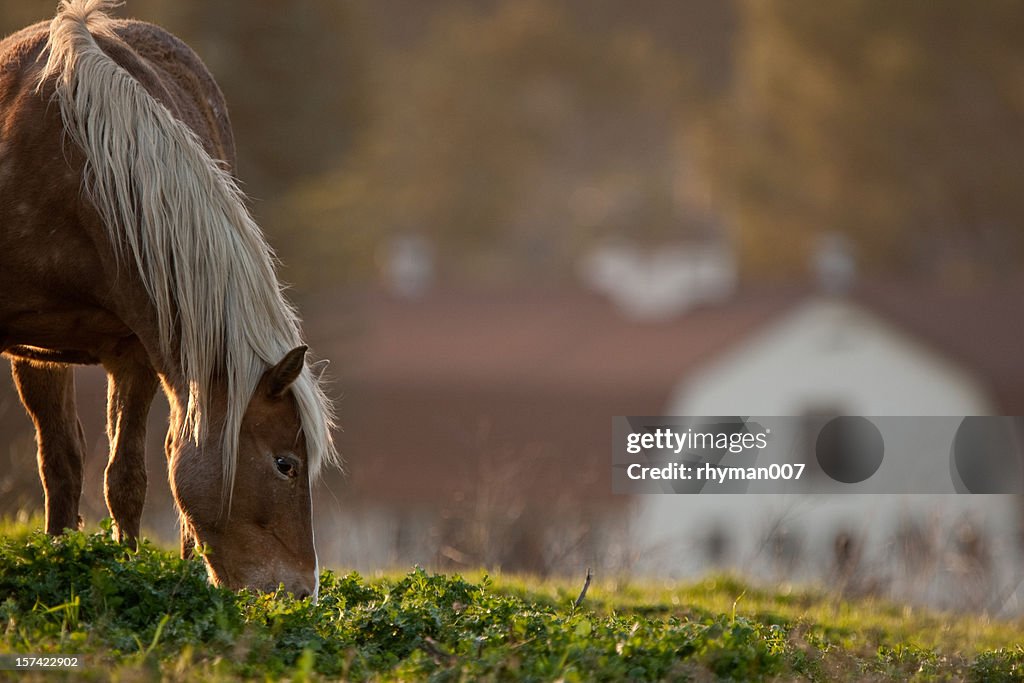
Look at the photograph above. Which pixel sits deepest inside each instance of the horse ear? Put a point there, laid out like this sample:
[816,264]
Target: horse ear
[287,371]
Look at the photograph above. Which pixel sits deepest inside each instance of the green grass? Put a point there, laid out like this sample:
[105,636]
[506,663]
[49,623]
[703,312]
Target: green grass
[140,614]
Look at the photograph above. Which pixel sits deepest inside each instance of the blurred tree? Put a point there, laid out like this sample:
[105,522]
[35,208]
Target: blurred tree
[292,74]
[509,136]
[898,124]
[17,14]
[512,134]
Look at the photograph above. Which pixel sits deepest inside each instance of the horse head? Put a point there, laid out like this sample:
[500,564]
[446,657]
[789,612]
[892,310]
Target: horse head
[262,534]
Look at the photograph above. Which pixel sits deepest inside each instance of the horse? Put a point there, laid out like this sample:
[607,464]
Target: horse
[125,241]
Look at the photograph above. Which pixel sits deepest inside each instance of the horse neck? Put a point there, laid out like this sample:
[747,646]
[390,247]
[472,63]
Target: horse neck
[135,308]
[137,311]
[176,389]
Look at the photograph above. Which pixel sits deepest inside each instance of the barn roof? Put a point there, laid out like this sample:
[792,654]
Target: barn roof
[464,385]
[517,387]
[979,328]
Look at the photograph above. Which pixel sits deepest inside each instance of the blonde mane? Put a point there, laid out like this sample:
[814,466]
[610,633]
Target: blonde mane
[179,218]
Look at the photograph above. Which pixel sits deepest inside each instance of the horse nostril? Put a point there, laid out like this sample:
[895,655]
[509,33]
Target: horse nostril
[303,593]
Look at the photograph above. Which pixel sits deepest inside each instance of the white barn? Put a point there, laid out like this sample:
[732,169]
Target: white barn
[830,355]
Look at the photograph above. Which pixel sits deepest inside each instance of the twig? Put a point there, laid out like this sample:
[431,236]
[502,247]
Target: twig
[437,652]
[583,593]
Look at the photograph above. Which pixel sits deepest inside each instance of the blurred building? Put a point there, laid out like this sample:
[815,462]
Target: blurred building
[465,406]
[887,350]
[468,408]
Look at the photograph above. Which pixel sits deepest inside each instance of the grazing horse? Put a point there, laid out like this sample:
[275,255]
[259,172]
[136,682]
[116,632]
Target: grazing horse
[125,241]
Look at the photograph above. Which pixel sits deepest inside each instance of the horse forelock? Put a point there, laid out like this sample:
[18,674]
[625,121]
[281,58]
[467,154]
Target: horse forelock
[178,217]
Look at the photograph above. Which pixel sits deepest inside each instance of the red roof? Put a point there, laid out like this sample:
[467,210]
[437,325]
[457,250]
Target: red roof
[518,388]
[513,388]
[979,328]
[536,339]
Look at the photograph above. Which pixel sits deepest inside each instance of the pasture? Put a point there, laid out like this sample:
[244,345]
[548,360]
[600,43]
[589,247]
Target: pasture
[135,615]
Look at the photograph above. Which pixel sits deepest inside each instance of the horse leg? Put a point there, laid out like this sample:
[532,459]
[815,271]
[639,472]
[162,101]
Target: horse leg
[48,392]
[188,543]
[131,384]
[184,528]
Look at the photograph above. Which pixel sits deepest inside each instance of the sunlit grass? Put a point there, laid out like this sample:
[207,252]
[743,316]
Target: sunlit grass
[147,613]
[725,593]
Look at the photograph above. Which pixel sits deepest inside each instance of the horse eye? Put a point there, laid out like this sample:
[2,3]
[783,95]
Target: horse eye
[286,466]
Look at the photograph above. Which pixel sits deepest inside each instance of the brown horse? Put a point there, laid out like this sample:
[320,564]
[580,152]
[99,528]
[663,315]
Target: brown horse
[124,240]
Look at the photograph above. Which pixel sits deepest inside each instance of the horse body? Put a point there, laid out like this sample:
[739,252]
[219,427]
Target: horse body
[98,265]
[53,240]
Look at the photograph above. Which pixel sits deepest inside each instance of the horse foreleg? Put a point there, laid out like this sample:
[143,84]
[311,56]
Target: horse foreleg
[48,393]
[131,385]
[188,541]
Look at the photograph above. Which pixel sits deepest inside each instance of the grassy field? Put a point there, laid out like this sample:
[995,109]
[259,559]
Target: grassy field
[136,615]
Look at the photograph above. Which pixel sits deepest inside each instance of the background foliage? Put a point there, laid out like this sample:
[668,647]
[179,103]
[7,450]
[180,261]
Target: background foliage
[514,135]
